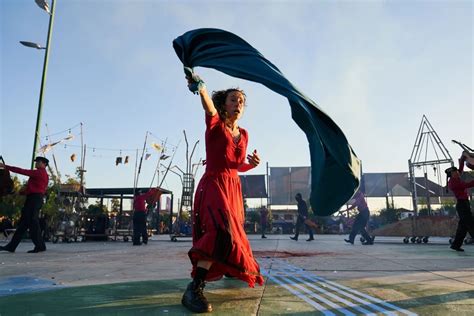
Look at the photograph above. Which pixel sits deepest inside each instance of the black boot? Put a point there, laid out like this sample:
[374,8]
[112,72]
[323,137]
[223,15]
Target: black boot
[6,248]
[194,298]
[369,242]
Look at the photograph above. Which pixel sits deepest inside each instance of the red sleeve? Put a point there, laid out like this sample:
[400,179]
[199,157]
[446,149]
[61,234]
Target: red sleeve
[245,167]
[458,184]
[25,172]
[212,121]
[149,193]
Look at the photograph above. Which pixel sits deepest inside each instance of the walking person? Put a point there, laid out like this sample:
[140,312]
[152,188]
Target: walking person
[463,208]
[220,245]
[302,217]
[263,220]
[35,192]
[361,220]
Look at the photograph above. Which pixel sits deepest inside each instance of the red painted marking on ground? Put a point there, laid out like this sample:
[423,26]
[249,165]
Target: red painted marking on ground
[287,254]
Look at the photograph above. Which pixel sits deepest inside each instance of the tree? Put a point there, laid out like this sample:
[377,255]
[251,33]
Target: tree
[10,205]
[388,215]
[423,211]
[253,217]
[115,205]
[96,209]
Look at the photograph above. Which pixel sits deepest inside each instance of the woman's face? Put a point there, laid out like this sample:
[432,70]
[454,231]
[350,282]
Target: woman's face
[234,105]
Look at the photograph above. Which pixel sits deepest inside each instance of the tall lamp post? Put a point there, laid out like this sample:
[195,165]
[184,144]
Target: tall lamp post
[43,5]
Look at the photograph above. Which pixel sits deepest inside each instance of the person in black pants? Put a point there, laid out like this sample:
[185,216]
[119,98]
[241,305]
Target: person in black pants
[139,217]
[302,216]
[463,208]
[263,220]
[361,220]
[35,191]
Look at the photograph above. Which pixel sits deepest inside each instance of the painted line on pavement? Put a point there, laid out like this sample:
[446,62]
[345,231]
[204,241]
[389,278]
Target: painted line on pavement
[304,284]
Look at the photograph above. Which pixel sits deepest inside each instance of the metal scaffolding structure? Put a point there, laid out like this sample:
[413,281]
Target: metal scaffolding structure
[428,150]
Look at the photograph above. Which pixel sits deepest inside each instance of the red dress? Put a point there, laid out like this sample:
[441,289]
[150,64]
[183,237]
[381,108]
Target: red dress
[218,217]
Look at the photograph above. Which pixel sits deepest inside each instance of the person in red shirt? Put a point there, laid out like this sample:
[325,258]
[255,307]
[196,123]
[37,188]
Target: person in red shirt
[35,191]
[139,217]
[463,208]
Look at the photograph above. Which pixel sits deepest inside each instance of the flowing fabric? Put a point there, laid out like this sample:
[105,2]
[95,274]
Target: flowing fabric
[335,169]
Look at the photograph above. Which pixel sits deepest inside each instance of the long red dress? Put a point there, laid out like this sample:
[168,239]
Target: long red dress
[218,217]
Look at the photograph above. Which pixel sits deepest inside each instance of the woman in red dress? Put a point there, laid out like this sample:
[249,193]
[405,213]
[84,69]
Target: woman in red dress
[220,245]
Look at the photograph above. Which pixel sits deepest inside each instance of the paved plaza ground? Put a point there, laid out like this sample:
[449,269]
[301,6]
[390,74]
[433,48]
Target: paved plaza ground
[322,277]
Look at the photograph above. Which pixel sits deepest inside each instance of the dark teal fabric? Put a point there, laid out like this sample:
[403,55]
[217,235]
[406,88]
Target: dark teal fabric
[335,169]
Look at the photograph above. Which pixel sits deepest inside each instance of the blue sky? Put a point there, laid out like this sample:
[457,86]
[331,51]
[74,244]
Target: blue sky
[374,66]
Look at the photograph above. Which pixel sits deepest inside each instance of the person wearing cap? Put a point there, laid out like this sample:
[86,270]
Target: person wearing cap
[463,208]
[35,191]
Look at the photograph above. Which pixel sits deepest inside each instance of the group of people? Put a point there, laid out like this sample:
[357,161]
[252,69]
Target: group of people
[220,246]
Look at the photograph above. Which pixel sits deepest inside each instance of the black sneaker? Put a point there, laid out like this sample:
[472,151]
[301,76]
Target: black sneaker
[457,248]
[194,299]
[294,238]
[5,248]
[263,236]
[349,241]
[309,239]
[36,250]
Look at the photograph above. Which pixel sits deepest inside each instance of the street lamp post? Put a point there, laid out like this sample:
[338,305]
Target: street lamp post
[43,5]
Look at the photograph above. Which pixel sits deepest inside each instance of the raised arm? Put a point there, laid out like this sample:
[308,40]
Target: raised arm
[197,85]
[25,172]
[207,103]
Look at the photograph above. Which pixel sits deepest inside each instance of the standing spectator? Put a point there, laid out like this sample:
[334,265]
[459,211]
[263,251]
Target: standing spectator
[263,220]
[35,191]
[139,217]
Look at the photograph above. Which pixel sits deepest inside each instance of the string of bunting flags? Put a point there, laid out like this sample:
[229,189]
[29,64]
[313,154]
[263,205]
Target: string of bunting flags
[156,146]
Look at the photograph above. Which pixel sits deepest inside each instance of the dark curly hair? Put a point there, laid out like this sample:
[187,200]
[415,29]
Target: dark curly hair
[219,97]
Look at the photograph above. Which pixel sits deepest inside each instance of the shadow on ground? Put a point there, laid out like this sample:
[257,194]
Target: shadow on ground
[135,298]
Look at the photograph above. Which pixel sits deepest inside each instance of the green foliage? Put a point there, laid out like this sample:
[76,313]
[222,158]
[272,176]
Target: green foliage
[96,209]
[253,217]
[185,216]
[10,205]
[115,205]
[388,215]
[51,207]
[423,211]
